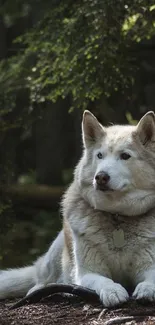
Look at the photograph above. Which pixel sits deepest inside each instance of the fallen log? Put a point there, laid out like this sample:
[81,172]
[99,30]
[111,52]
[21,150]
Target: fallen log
[40,196]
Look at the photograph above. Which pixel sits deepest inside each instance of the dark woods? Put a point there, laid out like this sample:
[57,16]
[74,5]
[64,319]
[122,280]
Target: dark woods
[58,58]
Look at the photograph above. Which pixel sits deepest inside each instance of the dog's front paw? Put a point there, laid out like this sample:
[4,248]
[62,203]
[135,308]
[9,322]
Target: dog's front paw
[144,290]
[113,294]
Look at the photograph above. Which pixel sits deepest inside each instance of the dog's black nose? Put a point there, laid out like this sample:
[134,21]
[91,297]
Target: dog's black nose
[102,178]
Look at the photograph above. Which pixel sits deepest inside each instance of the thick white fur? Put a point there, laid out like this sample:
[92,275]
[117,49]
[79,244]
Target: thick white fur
[92,258]
[16,282]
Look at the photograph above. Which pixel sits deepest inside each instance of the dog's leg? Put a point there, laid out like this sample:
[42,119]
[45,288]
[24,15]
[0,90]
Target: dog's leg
[145,289]
[110,293]
[48,267]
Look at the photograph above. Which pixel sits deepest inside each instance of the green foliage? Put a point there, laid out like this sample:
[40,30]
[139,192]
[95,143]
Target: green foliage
[22,241]
[130,119]
[78,48]
[29,178]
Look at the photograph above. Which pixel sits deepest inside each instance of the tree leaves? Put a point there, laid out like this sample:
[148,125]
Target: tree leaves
[80,49]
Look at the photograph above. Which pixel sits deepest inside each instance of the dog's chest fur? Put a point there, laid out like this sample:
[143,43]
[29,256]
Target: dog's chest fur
[112,245]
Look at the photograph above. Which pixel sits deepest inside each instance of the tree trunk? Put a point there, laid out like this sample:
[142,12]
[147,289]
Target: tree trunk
[58,142]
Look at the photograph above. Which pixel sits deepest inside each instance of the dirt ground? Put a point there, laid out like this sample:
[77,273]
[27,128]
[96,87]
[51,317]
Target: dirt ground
[71,310]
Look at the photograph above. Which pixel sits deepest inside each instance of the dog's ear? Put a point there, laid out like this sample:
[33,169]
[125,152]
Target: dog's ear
[146,128]
[92,130]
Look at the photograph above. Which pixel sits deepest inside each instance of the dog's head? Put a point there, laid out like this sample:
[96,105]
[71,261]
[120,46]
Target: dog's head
[117,171]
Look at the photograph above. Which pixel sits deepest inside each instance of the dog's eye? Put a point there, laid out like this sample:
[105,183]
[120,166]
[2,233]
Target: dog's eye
[99,155]
[125,156]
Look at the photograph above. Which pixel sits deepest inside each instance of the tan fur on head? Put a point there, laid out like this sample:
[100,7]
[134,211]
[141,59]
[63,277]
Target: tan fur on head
[92,130]
[146,128]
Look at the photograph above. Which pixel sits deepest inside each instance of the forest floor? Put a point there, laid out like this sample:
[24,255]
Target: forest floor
[64,310]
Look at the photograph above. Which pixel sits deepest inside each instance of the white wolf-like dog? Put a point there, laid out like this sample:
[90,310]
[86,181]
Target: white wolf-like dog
[108,239]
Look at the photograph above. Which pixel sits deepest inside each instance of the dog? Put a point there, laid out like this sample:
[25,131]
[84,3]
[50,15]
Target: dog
[107,243]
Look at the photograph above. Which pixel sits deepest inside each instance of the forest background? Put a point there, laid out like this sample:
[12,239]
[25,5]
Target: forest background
[58,58]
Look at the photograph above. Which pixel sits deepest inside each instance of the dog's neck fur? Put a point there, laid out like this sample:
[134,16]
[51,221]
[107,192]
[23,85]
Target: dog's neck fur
[127,205]
[119,215]
[120,218]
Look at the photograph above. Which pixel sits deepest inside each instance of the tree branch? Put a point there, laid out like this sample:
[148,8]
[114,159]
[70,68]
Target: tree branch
[37,295]
[124,319]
